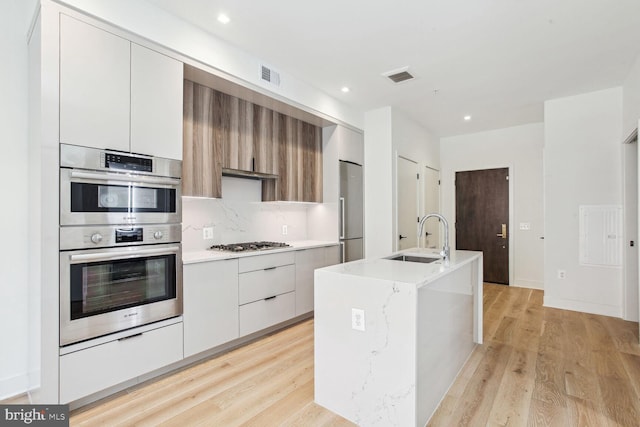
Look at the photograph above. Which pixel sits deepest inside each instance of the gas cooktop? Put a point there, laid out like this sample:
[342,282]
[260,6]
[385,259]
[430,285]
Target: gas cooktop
[249,246]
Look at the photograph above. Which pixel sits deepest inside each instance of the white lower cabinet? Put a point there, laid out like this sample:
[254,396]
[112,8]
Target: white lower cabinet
[256,285]
[93,369]
[267,286]
[267,312]
[306,262]
[210,293]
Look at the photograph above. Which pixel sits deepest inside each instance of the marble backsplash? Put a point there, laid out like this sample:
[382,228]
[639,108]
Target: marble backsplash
[240,216]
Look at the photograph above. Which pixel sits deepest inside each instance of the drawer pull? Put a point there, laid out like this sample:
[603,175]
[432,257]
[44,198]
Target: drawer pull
[130,336]
[273,297]
[270,268]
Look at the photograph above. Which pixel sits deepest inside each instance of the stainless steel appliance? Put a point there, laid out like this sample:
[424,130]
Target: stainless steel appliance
[114,278]
[351,211]
[120,234]
[250,246]
[110,187]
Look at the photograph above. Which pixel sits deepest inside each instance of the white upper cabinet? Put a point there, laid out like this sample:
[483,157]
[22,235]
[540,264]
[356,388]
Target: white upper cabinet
[351,145]
[156,103]
[117,94]
[94,86]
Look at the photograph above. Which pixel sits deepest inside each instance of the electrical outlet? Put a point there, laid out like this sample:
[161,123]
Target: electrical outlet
[284,230]
[357,319]
[562,274]
[207,233]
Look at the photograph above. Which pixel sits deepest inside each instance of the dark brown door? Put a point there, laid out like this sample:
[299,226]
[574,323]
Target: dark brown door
[482,219]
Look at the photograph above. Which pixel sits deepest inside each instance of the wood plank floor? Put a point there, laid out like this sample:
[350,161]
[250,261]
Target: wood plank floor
[546,367]
[538,367]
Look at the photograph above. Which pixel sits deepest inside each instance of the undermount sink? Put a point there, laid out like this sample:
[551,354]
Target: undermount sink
[414,258]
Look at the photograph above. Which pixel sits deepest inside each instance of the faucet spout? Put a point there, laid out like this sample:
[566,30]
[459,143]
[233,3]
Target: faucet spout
[445,248]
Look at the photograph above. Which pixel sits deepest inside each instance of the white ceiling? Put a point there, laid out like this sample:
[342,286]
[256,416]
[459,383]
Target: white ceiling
[496,60]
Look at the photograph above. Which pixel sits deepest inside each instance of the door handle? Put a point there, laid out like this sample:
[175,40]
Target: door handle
[504,232]
[402,237]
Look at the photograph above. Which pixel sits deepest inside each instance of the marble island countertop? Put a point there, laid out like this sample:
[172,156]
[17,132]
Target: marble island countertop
[417,273]
[192,257]
[391,336]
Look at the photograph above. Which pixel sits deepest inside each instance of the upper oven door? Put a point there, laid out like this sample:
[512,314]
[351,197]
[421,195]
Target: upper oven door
[92,197]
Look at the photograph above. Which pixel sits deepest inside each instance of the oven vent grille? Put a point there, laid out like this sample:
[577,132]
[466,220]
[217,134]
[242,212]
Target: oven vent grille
[270,76]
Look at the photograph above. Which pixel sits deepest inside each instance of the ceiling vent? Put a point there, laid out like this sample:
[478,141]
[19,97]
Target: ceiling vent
[269,76]
[400,75]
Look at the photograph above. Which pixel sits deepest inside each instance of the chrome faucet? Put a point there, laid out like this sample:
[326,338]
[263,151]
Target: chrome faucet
[445,249]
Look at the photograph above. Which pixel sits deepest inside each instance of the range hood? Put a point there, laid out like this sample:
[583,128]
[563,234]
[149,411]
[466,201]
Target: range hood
[248,174]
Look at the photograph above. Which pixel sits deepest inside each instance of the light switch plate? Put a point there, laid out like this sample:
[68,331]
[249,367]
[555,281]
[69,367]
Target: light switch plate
[525,226]
[285,230]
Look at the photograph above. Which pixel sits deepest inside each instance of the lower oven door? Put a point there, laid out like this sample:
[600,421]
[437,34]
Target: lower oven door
[103,291]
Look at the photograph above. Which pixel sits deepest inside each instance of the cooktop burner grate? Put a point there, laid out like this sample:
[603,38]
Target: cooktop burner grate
[249,246]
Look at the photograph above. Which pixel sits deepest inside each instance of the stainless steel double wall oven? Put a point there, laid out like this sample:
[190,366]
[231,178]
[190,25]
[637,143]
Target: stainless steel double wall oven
[120,241]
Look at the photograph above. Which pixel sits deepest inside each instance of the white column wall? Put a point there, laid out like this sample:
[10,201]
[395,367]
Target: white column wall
[378,187]
[520,149]
[14,327]
[582,160]
[631,100]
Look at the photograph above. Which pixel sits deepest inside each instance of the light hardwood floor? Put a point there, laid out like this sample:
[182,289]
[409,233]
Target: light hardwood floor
[546,367]
[538,367]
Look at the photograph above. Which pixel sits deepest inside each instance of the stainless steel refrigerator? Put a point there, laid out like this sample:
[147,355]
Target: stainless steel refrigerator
[351,211]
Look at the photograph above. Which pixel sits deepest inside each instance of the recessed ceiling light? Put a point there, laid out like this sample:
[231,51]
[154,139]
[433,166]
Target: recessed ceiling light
[467,118]
[223,18]
[345,89]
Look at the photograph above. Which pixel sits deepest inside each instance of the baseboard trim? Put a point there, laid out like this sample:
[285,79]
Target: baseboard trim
[14,386]
[529,284]
[584,307]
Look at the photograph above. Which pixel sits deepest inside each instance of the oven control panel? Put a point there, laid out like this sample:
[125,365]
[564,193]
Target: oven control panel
[129,235]
[125,162]
[87,237]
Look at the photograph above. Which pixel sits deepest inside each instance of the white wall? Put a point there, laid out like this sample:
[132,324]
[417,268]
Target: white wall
[583,160]
[378,183]
[631,100]
[414,142]
[389,133]
[630,118]
[14,20]
[520,149]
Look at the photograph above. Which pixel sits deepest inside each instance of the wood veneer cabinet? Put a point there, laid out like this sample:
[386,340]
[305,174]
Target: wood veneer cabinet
[300,162]
[202,144]
[225,132]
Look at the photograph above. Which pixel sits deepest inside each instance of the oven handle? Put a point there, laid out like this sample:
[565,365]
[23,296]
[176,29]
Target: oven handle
[128,178]
[108,256]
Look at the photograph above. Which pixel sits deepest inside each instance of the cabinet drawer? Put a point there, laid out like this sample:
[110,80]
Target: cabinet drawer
[96,368]
[264,313]
[261,262]
[257,285]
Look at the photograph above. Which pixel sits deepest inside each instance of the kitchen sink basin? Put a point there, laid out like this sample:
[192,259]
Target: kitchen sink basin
[414,258]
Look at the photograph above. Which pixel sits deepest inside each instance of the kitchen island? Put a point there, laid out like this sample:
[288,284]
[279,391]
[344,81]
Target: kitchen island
[391,335]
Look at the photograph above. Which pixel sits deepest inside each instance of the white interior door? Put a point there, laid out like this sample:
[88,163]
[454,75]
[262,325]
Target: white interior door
[407,208]
[431,236]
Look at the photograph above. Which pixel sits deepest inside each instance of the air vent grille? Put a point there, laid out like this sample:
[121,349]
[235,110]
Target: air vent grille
[269,76]
[401,77]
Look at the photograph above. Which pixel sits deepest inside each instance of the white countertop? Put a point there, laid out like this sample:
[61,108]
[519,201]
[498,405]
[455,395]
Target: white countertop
[405,271]
[192,257]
